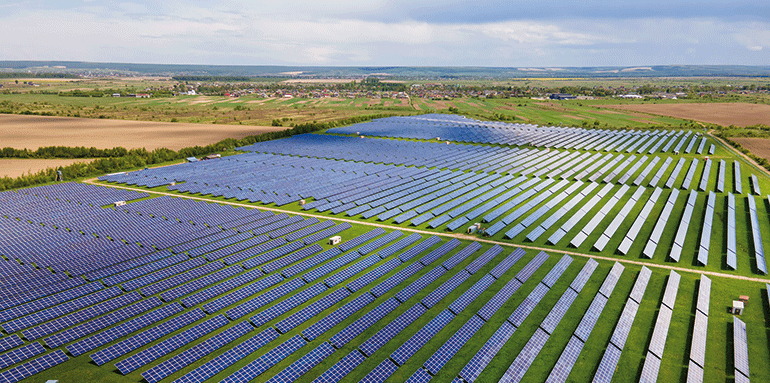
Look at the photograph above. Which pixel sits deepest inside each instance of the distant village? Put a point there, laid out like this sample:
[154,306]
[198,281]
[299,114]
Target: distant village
[373,88]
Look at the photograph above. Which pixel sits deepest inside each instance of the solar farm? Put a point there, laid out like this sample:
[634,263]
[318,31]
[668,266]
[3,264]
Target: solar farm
[471,251]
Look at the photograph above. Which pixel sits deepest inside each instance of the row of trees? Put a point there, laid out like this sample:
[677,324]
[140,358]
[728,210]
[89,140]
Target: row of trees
[62,152]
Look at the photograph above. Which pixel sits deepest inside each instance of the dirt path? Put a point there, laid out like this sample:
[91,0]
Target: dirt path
[450,235]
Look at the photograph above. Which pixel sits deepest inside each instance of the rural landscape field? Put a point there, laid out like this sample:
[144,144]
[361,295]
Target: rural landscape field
[488,231]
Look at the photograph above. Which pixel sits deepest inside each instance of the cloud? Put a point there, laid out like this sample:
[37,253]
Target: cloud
[376,32]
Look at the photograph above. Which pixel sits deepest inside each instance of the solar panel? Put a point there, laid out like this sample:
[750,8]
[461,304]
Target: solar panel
[525,358]
[311,310]
[269,359]
[586,325]
[672,287]
[123,329]
[695,373]
[558,311]
[607,365]
[740,347]
[471,294]
[302,365]
[337,316]
[382,372]
[33,366]
[162,329]
[566,361]
[453,345]
[150,354]
[208,346]
[660,333]
[660,225]
[390,330]
[650,369]
[229,357]
[342,368]
[364,322]
[481,359]
[421,337]
[759,250]
[583,276]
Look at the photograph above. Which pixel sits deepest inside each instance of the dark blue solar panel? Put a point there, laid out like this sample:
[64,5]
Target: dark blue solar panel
[421,337]
[229,357]
[416,286]
[162,329]
[453,345]
[481,359]
[361,324]
[342,368]
[447,287]
[390,330]
[284,306]
[382,372]
[302,365]
[179,361]
[264,362]
[169,345]
[334,318]
[311,310]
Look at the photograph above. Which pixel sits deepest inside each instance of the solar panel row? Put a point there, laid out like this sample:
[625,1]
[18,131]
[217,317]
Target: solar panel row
[759,249]
[684,224]
[660,333]
[705,239]
[569,356]
[732,252]
[660,225]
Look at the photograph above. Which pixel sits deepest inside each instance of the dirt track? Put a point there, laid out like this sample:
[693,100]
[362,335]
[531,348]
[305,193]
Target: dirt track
[17,167]
[725,114]
[32,132]
[443,234]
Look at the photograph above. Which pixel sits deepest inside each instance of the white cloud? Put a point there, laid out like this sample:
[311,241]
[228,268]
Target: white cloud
[179,33]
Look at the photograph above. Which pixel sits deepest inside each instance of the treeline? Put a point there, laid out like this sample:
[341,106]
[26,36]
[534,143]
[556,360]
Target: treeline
[138,158]
[110,92]
[213,78]
[62,152]
[36,75]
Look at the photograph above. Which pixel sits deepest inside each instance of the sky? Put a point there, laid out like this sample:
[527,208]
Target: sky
[483,33]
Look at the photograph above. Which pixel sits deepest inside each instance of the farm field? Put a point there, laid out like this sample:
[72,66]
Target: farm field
[604,254]
[20,131]
[725,114]
[757,146]
[18,167]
